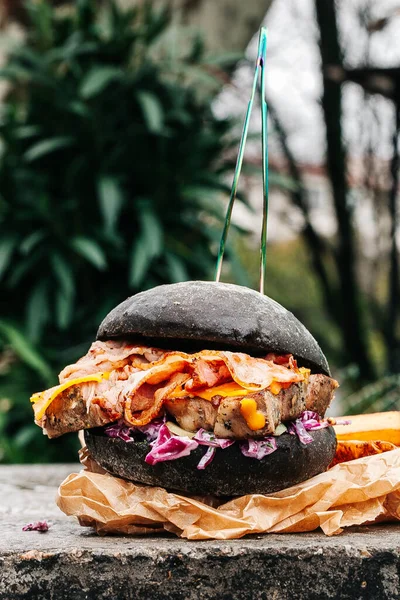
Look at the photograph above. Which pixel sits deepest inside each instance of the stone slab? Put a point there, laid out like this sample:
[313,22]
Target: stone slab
[71,562]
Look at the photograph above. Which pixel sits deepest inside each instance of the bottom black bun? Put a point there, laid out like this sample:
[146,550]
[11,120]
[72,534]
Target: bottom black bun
[229,474]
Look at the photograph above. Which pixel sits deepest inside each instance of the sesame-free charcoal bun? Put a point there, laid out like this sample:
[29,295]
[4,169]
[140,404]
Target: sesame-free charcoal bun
[203,315]
[229,474]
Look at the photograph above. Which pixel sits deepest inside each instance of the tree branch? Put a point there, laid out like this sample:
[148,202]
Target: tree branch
[355,341]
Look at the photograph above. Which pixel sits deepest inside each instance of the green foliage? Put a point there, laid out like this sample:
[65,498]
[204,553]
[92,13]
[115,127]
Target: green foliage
[380,396]
[110,182]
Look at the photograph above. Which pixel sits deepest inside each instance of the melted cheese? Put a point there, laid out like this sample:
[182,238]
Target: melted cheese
[254,418]
[225,390]
[42,402]
[275,387]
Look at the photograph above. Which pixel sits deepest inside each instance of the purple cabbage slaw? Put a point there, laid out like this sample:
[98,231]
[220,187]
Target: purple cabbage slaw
[166,446]
[308,421]
[258,448]
[207,438]
[127,433]
[41,526]
[169,447]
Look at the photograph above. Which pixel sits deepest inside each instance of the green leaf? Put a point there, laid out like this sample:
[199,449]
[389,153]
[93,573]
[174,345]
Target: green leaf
[225,59]
[152,232]
[28,243]
[110,200]
[37,311]
[152,110]
[7,245]
[14,73]
[63,272]
[176,268]
[201,77]
[97,80]
[47,146]
[64,306]
[239,273]
[205,197]
[25,436]
[25,350]
[147,246]
[27,131]
[283,181]
[24,267]
[64,299]
[91,251]
[141,259]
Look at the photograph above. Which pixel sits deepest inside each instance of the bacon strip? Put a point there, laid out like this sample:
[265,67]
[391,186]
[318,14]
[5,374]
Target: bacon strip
[140,388]
[109,356]
[146,416]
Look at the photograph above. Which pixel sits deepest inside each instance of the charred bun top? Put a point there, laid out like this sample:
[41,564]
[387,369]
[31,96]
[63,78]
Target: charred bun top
[203,315]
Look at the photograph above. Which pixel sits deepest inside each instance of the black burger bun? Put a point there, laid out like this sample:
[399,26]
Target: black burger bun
[202,315]
[229,474]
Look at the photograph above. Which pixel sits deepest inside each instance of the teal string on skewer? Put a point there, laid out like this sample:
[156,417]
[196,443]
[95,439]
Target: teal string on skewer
[264,137]
[239,160]
[260,64]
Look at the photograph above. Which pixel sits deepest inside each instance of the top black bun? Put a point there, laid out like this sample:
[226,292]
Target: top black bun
[199,315]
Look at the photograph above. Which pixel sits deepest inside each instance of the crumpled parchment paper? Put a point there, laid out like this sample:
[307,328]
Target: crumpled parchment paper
[360,491]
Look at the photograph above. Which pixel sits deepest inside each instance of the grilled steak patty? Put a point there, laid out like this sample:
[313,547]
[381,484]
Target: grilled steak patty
[70,411]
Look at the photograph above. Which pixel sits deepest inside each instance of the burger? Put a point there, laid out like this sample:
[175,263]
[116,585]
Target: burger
[201,388]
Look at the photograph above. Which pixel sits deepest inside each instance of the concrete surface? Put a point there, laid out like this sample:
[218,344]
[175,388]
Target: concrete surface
[70,562]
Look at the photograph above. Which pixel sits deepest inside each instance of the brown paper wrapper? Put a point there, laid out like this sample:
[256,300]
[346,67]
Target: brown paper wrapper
[360,491]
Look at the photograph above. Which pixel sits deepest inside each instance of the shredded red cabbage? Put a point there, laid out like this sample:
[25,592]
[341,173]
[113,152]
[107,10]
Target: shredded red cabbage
[258,448]
[312,421]
[207,458]
[127,434]
[308,421]
[207,438]
[297,428]
[41,526]
[120,430]
[169,447]
[342,422]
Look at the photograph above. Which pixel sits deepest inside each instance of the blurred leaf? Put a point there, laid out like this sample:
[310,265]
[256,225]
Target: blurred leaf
[47,146]
[147,245]
[204,197]
[37,310]
[7,245]
[226,59]
[63,272]
[177,269]
[27,131]
[152,232]
[97,80]
[26,352]
[111,201]
[91,251]
[64,294]
[28,243]
[283,181]
[24,267]
[201,76]
[25,435]
[141,259]
[238,271]
[152,111]
[64,306]
[15,73]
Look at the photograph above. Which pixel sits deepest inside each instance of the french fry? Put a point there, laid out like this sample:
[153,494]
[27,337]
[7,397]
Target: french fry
[351,449]
[383,426]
